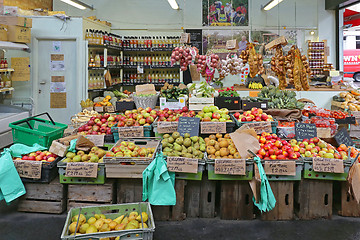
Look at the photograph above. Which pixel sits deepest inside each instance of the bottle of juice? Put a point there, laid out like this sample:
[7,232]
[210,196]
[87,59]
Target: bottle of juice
[5,63]
[8,83]
[97,60]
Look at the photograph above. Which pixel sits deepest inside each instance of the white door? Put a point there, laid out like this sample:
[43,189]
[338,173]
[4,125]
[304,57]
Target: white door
[56,57]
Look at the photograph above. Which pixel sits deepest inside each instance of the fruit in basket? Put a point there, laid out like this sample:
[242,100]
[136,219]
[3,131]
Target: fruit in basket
[44,156]
[272,147]
[256,114]
[95,155]
[214,114]
[137,117]
[129,149]
[178,146]
[221,146]
[173,115]
[99,125]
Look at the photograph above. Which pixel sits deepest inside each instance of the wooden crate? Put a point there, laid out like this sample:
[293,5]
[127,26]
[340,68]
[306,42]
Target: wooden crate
[314,199]
[200,198]
[284,195]
[89,195]
[197,104]
[116,170]
[44,198]
[236,201]
[349,206]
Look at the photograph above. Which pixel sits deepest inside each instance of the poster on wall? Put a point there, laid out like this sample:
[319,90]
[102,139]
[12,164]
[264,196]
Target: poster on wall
[225,12]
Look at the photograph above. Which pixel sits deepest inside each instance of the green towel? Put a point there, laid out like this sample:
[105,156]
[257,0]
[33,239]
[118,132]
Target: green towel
[72,145]
[158,183]
[267,200]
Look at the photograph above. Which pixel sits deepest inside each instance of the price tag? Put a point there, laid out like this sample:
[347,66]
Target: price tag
[231,44]
[230,166]
[343,137]
[329,165]
[28,169]
[213,127]
[287,168]
[181,164]
[185,38]
[109,109]
[260,127]
[99,109]
[189,125]
[98,140]
[140,69]
[81,169]
[126,132]
[167,127]
[305,131]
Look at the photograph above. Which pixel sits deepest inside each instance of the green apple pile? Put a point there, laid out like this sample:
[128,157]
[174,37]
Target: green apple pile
[175,145]
[95,155]
[214,114]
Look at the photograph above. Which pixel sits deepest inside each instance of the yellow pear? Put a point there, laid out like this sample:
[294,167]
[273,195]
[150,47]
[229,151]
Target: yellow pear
[125,220]
[104,228]
[119,219]
[102,216]
[135,223]
[120,227]
[112,225]
[98,224]
[91,229]
[82,218]
[84,227]
[107,220]
[144,217]
[97,216]
[133,215]
[130,226]
[117,238]
[91,220]
[144,225]
[73,226]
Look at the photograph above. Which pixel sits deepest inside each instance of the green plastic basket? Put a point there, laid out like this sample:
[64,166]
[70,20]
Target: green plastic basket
[309,173]
[249,173]
[274,124]
[36,130]
[147,132]
[112,211]
[192,176]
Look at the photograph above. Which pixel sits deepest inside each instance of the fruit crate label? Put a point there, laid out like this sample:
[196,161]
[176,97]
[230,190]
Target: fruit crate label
[323,132]
[305,131]
[275,167]
[109,109]
[125,132]
[230,166]
[28,169]
[181,164]
[343,137]
[329,165]
[260,127]
[89,108]
[167,127]
[99,109]
[81,169]
[98,140]
[189,125]
[213,127]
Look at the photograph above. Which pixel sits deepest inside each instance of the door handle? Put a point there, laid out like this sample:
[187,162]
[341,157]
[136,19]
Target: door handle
[43,83]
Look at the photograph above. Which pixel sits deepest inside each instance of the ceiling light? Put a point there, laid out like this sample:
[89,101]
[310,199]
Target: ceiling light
[78,4]
[173,4]
[312,32]
[271,4]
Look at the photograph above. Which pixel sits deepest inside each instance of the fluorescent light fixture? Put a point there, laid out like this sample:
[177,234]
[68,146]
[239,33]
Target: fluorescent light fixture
[271,4]
[78,4]
[173,4]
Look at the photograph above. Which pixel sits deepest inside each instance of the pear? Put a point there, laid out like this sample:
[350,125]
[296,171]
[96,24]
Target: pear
[197,146]
[83,228]
[66,160]
[108,220]
[125,220]
[164,143]
[112,225]
[177,147]
[188,155]
[120,226]
[119,219]
[98,224]
[171,140]
[84,157]
[73,226]
[202,147]
[133,215]
[144,216]
[190,149]
[77,158]
[134,222]
[80,153]
[144,225]
[167,149]
[177,154]
[91,229]
[130,226]
[175,135]
[187,142]
[94,149]
[186,135]
[194,138]
[91,220]
[179,140]
[104,228]
[166,136]
[82,218]
[97,216]
[94,159]
[70,154]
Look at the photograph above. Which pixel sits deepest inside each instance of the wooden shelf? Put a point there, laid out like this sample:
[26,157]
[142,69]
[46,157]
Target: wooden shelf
[6,69]
[5,90]
[13,46]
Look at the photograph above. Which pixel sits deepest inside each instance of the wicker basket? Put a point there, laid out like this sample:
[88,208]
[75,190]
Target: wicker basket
[145,102]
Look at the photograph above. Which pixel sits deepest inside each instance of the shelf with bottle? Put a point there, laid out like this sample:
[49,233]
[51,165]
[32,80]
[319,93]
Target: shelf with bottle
[98,38]
[147,60]
[5,82]
[148,43]
[96,61]
[155,77]
[96,81]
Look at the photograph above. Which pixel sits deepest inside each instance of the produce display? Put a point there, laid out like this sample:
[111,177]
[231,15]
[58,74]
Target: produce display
[83,117]
[95,156]
[214,114]
[280,99]
[206,65]
[173,115]
[278,66]
[349,100]
[121,95]
[254,59]
[315,147]
[170,91]
[231,65]
[175,145]
[99,223]
[184,56]
[44,156]
[256,114]
[87,103]
[130,149]
[325,113]
[202,89]
[99,125]
[221,146]
[137,117]
[228,92]
[273,147]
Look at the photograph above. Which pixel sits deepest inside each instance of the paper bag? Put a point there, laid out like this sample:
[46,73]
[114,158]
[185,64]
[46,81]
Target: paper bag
[84,144]
[108,80]
[244,140]
[255,188]
[61,146]
[354,181]
[145,89]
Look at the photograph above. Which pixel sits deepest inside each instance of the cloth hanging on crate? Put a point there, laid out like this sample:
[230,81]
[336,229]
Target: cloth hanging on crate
[158,183]
[11,186]
[267,199]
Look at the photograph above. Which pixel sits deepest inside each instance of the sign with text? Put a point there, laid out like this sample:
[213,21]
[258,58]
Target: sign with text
[81,169]
[185,38]
[196,39]
[230,166]
[181,164]
[98,140]
[109,109]
[167,127]
[259,127]
[287,168]
[125,132]
[213,127]
[189,125]
[329,165]
[305,131]
[28,169]
[343,137]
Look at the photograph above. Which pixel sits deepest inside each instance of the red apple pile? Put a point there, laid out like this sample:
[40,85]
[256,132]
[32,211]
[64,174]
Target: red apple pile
[173,115]
[272,148]
[314,147]
[99,125]
[44,156]
[256,114]
[129,149]
[137,117]
[184,55]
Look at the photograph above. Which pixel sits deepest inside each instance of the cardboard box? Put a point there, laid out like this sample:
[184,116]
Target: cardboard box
[231,103]
[16,21]
[3,32]
[19,34]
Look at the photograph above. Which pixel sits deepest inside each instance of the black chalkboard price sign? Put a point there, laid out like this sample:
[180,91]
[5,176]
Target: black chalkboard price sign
[342,137]
[189,125]
[195,38]
[305,131]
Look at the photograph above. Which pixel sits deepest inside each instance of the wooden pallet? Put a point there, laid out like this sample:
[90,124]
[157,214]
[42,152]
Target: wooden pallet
[91,195]
[349,206]
[44,198]
[315,198]
[284,195]
[200,198]
[236,201]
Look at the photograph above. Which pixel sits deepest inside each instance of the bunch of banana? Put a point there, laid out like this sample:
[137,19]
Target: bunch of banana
[86,103]
[255,85]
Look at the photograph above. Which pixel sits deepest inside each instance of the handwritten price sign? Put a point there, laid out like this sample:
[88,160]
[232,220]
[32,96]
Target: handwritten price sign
[81,169]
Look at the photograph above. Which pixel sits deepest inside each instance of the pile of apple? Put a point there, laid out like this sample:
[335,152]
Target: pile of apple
[256,114]
[272,148]
[314,147]
[99,125]
[44,156]
[130,149]
[173,115]
[343,150]
[214,114]
[137,117]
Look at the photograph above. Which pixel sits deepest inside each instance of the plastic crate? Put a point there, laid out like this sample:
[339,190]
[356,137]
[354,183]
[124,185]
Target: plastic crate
[36,130]
[274,124]
[112,211]
[210,166]
[297,177]
[48,172]
[147,132]
[81,180]
[192,176]
[309,173]
[231,103]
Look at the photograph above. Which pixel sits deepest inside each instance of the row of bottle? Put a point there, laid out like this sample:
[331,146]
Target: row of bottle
[97,37]
[5,80]
[151,42]
[4,63]
[96,80]
[153,77]
[147,60]
[98,60]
